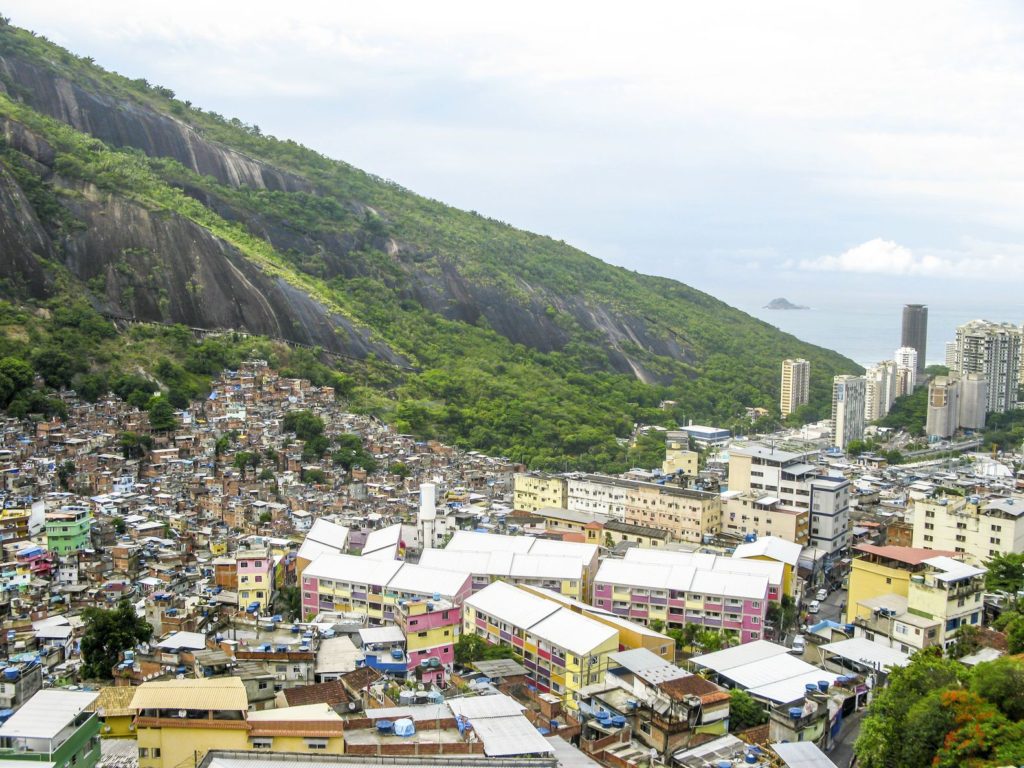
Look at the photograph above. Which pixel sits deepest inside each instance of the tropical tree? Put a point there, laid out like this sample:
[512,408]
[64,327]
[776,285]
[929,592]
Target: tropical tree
[107,635]
[744,711]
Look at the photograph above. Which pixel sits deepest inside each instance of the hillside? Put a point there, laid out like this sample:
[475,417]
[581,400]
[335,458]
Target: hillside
[136,204]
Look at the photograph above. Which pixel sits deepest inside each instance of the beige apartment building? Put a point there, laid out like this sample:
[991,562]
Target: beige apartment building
[533,491]
[678,456]
[796,385]
[685,514]
[744,513]
[975,527]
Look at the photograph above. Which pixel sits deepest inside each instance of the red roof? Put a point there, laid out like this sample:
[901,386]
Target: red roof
[908,555]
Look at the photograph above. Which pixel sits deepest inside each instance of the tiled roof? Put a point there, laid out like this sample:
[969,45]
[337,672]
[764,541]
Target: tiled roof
[332,693]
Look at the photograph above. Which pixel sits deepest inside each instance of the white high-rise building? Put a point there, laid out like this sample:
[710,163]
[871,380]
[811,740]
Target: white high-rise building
[847,409]
[906,359]
[880,390]
[796,385]
[951,362]
[992,350]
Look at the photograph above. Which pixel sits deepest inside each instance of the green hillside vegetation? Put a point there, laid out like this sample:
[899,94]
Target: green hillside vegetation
[470,385]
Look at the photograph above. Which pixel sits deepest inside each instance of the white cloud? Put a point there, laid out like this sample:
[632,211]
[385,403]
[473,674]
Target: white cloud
[885,257]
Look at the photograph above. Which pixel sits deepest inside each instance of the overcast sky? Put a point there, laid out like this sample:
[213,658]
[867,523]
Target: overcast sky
[750,149]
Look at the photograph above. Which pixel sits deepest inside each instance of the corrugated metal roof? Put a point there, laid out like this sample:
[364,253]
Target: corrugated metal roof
[802,754]
[47,713]
[227,693]
[495,705]
[724,660]
[502,736]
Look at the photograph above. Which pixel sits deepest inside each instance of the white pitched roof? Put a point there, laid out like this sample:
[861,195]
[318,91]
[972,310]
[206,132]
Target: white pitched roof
[471,541]
[383,537]
[574,632]
[770,546]
[510,604]
[356,570]
[419,579]
[726,659]
[329,533]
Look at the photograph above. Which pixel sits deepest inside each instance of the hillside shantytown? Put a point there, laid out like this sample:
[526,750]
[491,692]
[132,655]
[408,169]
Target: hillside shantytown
[396,597]
[301,467]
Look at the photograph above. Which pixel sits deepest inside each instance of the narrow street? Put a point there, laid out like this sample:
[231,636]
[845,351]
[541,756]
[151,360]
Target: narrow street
[842,751]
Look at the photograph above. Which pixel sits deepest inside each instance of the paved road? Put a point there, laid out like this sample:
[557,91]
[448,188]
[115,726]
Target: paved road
[832,608]
[842,750]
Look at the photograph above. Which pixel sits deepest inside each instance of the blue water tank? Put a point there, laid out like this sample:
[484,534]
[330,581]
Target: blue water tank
[11,673]
[810,688]
[795,712]
[396,653]
[823,685]
[618,721]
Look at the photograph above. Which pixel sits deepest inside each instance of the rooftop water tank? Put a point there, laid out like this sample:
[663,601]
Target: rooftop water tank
[823,685]
[810,688]
[795,712]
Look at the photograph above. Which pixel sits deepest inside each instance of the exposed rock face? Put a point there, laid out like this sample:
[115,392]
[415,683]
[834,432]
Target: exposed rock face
[125,123]
[23,240]
[164,268]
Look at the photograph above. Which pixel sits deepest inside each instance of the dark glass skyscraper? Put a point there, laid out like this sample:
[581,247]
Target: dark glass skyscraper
[915,331]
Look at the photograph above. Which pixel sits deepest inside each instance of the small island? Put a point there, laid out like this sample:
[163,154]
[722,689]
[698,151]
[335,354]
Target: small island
[781,303]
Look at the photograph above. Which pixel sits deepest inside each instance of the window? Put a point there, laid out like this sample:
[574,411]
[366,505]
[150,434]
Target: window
[155,752]
[316,743]
[143,752]
[263,685]
[927,537]
[262,743]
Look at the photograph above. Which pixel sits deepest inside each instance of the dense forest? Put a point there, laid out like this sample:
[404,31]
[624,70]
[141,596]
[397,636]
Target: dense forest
[445,322]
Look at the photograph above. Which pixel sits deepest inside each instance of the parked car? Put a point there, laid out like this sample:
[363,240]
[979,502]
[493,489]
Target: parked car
[814,607]
[822,594]
[799,645]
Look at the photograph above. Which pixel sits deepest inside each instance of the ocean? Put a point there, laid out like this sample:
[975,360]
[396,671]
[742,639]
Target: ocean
[868,331]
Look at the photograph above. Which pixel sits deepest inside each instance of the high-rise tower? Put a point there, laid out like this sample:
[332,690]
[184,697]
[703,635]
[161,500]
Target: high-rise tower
[915,331]
[796,385]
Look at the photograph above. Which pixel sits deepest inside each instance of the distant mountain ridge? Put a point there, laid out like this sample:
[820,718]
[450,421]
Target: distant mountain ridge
[160,212]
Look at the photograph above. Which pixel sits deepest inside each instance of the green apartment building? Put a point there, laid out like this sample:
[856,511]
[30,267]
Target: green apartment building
[67,529]
[53,727]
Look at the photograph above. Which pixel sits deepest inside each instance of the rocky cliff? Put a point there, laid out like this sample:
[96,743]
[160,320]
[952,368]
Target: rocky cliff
[158,211]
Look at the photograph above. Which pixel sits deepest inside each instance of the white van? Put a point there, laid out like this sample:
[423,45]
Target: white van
[814,607]
[822,594]
[799,646]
